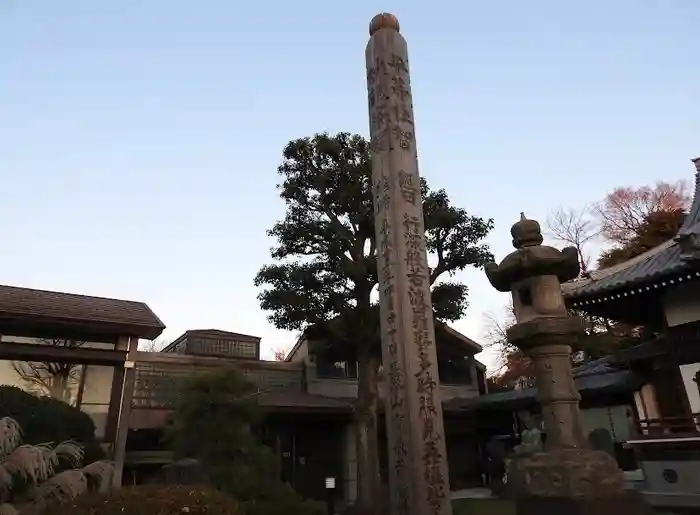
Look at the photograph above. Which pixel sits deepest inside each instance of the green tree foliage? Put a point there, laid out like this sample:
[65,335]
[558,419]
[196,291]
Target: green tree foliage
[213,423]
[325,269]
[213,418]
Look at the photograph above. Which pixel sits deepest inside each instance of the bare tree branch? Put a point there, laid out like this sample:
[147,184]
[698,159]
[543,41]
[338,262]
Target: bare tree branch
[495,333]
[57,380]
[156,345]
[575,228]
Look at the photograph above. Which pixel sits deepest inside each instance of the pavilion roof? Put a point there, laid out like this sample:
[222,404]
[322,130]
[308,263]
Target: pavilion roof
[676,258]
[57,309]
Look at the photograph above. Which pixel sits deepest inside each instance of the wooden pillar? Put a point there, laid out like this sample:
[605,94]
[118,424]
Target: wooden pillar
[81,386]
[418,472]
[124,413]
[115,395]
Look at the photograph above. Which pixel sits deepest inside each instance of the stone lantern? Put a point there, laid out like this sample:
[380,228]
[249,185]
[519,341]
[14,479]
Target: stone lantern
[568,476]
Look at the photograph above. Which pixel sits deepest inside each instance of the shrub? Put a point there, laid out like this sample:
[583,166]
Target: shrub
[212,424]
[29,474]
[151,500]
[44,419]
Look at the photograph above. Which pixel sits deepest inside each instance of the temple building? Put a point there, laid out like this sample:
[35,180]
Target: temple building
[659,290]
[307,400]
[647,397]
[308,404]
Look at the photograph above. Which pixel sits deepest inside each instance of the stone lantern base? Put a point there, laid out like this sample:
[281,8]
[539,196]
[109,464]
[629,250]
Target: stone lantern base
[570,482]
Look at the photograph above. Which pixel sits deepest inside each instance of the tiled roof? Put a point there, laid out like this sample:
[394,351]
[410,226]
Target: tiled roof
[658,263]
[661,261]
[587,382]
[223,334]
[68,308]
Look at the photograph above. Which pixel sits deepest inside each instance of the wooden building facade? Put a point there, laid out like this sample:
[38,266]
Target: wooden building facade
[308,404]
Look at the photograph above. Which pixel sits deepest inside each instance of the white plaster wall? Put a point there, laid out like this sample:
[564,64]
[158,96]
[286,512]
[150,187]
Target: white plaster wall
[301,353]
[691,387]
[682,306]
[96,395]
[613,418]
[682,303]
[98,382]
[645,400]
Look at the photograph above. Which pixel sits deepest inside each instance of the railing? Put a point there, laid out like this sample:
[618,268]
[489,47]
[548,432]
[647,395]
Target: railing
[670,426]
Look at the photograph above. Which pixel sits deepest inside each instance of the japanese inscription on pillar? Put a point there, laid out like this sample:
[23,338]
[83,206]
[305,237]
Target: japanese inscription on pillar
[418,462]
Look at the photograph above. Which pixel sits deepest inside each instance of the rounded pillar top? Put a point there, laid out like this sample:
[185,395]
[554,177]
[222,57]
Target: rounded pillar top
[383,21]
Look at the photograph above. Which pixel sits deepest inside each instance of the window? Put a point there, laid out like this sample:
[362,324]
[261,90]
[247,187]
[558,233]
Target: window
[224,347]
[455,371]
[336,369]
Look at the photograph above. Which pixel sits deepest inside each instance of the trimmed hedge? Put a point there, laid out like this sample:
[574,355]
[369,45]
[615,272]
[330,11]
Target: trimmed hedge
[151,500]
[45,420]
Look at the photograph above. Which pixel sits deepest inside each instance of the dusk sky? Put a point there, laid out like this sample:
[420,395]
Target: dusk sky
[139,141]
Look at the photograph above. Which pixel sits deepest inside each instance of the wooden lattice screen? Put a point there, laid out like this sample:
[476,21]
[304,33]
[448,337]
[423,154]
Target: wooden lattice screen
[157,383]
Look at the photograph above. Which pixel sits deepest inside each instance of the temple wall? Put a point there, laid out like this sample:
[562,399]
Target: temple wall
[611,418]
[645,401]
[682,304]
[334,387]
[692,388]
[349,464]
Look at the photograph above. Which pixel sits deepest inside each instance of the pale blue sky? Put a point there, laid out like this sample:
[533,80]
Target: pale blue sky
[139,140]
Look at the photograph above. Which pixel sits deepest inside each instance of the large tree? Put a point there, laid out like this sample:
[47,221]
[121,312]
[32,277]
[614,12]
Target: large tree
[656,228]
[324,277]
[624,211]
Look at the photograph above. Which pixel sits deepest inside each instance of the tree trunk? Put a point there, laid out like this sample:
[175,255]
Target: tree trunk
[369,482]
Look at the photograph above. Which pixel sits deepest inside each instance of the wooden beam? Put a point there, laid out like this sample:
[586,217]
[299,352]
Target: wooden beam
[55,354]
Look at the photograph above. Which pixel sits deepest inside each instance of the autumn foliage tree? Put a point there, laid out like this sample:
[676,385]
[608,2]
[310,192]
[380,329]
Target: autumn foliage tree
[324,279]
[656,228]
[514,367]
[623,213]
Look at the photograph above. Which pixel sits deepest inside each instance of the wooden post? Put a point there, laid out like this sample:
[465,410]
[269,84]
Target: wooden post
[124,412]
[418,472]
